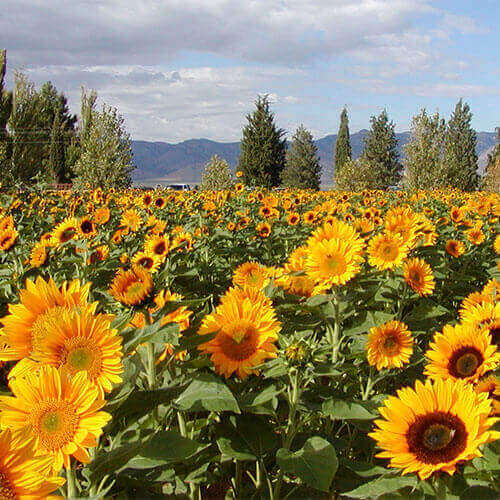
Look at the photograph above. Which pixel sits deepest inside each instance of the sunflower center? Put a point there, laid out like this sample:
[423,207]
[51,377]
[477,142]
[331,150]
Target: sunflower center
[390,252]
[335,264]
[6,490]
[415,277]
[240,342]
[80,359]
[390,345]
[160,248]
[437,437]
[135,288]
[55,423]
[86,226]
[66,235]
[464,362]
[44,325]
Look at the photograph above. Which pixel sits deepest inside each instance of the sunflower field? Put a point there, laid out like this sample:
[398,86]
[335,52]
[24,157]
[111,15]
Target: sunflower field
[249,344]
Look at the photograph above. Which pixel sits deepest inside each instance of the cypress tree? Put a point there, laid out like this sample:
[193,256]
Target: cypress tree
[343,151]
[459,168]
[262,149]
[302,169]
[56,151]
[381,152]
[5,111]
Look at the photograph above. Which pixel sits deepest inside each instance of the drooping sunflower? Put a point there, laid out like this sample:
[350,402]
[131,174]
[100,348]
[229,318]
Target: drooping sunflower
[64,231]
[7,238]
[84,341]
[60,413]
[131,287]
[433,427]
[455,248]
[247,330]
[491,386]
[461,352]
[332,262]
[386,251]
[22,475]
[418,275]
[38,254]
[389,345]
[251,274]
[30,321]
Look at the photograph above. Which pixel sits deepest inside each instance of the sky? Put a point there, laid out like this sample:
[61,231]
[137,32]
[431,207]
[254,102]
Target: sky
[183,69]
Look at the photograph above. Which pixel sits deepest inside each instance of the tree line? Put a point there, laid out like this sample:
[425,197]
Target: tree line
[40,140]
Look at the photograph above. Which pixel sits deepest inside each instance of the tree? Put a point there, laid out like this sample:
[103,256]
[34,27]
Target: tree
[459,167]
[491,179]
[302,169]
[57,150]
[217,175]
[424,151]
[5,111]
[381,153]
[262,149]
[343,151]
[105,159]
[356,175]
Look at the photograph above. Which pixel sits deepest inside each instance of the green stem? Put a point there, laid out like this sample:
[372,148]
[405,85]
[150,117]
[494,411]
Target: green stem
[238,474]
[369,385]
[71,483]
[334,330]
[151,368]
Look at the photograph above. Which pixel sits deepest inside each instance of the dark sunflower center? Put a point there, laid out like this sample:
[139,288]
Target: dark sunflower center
[160,248]
[86,226]
[6,489]
[146,262]
[67,234]
[437,437]
[465,361]
[391,344]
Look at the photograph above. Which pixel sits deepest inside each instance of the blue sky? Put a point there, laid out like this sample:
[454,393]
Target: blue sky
[181,69]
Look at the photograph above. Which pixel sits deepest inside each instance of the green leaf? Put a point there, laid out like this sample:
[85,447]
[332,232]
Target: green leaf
[381,486]
[366,321]
[340,409]
[156,333]
[108,462]
[169,446]
[363,469]
[207,392]
[481,492]
[426,309]
[315,463]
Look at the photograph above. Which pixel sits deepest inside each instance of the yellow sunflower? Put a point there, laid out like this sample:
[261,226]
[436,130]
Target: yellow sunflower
[389,345]
[386,251]
[461,352]
[496,244]
[7,238]
[22,475]
[418,275]
[38,254]
[86,228]
[60,413]
[491,386]
[131,287]
[455,248]
[64,231]
[29,322]
[433,427]
[247,329]
[251,274]
[339,230]
[83,341]
[157,245]
[131,220]
[483,315]
[148,261]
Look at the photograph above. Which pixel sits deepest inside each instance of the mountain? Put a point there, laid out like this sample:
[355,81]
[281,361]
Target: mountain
[184,162]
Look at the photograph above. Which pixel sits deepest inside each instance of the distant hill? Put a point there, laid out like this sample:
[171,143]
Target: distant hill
[184,162]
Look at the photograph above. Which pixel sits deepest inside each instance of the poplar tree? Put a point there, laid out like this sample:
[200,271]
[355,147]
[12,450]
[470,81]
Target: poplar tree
[424,151]
[381,152]
[491,179]
[459,167]
[57,150]
[217,175]
[302,169]
[5,111]
[262,149]
[343,151]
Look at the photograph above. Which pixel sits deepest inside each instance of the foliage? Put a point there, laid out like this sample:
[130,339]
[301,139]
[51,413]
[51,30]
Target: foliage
[424,152]
[217,175]
[105,149]
[302,169]
[381,152]
[459,166]
[356,175]
[5,111]
[262,149]
[491,179]
[343,151]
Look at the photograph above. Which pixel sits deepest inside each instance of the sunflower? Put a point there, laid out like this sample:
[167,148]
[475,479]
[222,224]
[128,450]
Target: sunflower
[157,245]
[389,345]
[433,427]
[475,236]
[64,231]
[247,329]
[102,215]
[402,221]
[86,228]
[83,341]
[418,275]
[60,413]
[491,386]
[251,274]
[461,352]
[38,254]
[496,244]
[339,230]
[98,254]
[29,322]
[7,238]
[263,229]
[293,218]
[455,248]
[386,251]
[131,220]
[22,475]
[484,315]
[332,262]
[146,260]
[131,287]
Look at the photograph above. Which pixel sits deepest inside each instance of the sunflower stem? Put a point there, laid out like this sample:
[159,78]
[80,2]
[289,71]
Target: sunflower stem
[71,482]
[334,331]
[369,385]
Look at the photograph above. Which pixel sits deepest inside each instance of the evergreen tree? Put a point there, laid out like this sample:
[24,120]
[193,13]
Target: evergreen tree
[491,179]
[424,151]
[105,159]
[380,152]
[217,175]
[57,150]
[459,167]
[262,149]
[302,169]
[5,111]
[343,151]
